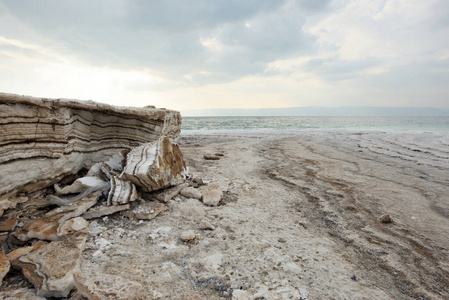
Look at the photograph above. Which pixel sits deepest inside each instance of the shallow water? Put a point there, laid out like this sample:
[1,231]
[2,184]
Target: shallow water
[395,124]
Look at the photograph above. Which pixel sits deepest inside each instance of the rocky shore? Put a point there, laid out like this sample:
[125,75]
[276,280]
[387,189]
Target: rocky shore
[230,215]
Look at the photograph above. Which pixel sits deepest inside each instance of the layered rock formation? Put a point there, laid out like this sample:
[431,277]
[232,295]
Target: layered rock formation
[44,230]
[43,140]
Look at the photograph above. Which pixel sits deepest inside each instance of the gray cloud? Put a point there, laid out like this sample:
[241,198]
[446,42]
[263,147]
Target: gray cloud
[166,35]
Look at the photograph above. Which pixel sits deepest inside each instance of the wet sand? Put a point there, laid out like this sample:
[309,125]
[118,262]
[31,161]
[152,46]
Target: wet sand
[299,220]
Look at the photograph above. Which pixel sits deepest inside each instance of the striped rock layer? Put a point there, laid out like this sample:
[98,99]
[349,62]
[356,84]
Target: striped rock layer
[43,140]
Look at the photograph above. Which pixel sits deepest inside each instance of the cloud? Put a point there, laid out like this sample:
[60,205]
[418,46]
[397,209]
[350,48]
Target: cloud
[188,54]
[203,41]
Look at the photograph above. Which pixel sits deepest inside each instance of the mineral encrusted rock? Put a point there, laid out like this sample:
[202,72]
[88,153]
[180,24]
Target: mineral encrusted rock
[101,211]
[105,286]
[206,225]
[191,192]
[169,193]
[212,194]
[51,267]
[188,235]
[156,165]
[23,294]
[121,192]
[147,210]
[4,265]
[43,140]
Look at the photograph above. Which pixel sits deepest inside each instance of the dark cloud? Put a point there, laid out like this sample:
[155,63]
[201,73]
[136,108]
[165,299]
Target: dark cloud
[167,35]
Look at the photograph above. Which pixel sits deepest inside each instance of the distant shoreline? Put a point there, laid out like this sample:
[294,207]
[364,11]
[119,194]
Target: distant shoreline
[309,111]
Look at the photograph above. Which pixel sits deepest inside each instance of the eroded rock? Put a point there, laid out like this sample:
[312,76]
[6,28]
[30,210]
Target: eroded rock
[80,185]
[212,194]
[50,268]
[206,225]
[191,192]
[156,165]
[105,286]
[188,235]
[101,211]
[147,210]
[71,226]
[23,294]
[4,265]
[68,135]
[8,225]
[169,193]
[121,192]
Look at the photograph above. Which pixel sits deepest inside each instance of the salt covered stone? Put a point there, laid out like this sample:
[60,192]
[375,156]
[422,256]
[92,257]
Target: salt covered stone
[147,210]
[50,268]
[105,286]
[191,192]
[44,140]
[74,209]
[4,265]
[156,165]
[169,193]
[212,194]
[101,211]
[206,225]
[22,294]
[121,192]
[188,235]
[71,226]
[80,185]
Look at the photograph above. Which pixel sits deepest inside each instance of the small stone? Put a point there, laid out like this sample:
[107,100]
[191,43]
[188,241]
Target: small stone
[190,192]
[211,157]
[212,194]
[4,266]
[105,286]
[386,218]
[281,240]
[198,180]
[206,225]
[8,225]
[219,154]
[188,235]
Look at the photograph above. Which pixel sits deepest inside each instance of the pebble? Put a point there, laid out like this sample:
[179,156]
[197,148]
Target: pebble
[206,225]
[188,235]
[386,218]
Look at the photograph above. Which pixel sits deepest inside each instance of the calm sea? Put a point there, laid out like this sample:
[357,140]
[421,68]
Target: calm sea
[398,124]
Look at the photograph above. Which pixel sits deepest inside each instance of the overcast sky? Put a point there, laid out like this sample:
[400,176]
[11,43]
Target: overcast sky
[200,54]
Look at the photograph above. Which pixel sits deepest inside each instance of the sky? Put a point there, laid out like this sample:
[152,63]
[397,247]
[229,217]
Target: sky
[201,54]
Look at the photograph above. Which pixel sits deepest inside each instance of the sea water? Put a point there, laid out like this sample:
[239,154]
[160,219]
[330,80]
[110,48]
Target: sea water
[388,124]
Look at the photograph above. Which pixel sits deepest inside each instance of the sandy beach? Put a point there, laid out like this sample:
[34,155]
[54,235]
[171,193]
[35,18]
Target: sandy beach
[299,220]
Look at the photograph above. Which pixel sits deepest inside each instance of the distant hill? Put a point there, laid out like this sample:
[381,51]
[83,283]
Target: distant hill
[348,111]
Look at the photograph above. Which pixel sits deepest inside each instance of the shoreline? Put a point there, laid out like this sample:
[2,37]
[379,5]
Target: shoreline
[345,181]
[300,218]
